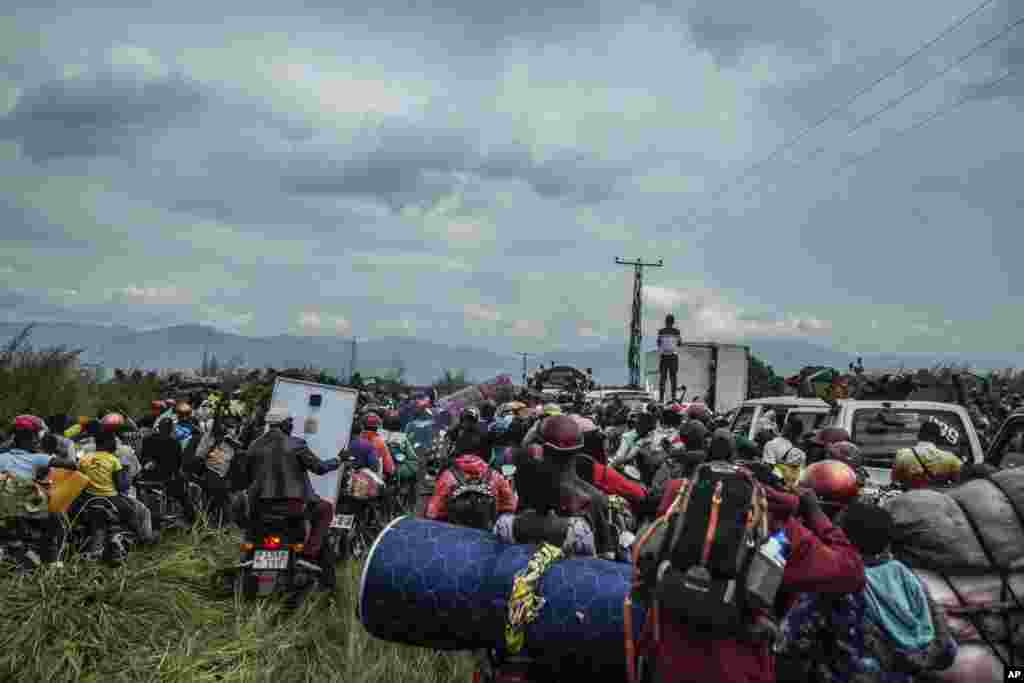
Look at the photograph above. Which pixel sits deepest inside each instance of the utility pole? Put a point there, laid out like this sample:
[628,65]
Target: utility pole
[524,355]
[352,360]
[635,323]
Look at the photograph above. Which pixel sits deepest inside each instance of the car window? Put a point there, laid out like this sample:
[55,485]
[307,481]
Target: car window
[1011,443]
[741,423]
[811,419]
[880,433]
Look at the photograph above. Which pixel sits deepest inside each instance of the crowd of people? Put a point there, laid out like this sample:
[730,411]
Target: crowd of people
[591,480]
[846,610]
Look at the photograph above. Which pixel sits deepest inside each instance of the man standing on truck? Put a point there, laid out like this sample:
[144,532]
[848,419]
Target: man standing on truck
[669,341]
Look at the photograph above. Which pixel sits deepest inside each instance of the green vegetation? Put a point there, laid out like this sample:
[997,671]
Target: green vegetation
[48,382]
[159,618]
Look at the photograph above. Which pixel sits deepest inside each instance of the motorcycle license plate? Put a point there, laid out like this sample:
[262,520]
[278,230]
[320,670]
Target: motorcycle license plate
[270,559]
[343,521]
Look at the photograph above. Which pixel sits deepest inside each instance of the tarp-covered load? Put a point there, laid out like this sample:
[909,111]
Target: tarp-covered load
[975,528]
[967,545]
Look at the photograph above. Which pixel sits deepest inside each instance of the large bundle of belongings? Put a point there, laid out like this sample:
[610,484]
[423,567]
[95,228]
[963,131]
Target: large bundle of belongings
[499,390]
[967,545]
[828,384]
[445,587]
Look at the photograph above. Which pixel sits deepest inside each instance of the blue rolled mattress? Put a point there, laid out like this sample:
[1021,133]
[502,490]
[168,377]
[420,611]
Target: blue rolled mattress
[446,587]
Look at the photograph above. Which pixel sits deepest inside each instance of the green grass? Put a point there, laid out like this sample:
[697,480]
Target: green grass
[159,618]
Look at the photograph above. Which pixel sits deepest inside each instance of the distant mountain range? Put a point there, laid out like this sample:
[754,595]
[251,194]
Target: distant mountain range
[424,361]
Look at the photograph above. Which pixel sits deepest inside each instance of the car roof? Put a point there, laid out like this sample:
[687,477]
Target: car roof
[854,403]
[624,393]
[787,400]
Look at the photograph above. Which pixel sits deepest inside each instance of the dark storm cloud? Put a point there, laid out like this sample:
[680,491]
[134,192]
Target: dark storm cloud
[568,175]
[406,167]
[480,24]
[726,28]
[100,116]
[414,167]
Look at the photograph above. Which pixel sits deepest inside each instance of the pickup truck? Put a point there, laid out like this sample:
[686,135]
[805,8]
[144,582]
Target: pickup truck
[880,428]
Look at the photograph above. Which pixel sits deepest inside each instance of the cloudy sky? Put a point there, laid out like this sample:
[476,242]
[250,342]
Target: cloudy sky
[468,171]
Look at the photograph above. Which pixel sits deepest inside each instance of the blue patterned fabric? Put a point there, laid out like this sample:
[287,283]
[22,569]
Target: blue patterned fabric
[845,645]
[445,587]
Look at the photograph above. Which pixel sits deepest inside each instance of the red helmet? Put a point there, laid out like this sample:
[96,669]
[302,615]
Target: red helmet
[830,435]
[834,481]
[562,433]
[29,423]
[697,411]
[585,423]
[157,405]
[371,422]
[676,408]
[112,422]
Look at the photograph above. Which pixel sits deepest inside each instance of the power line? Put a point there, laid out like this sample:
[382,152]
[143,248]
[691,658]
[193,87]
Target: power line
[937,114]
[525,355]
[916,89]
[860,93]
[1008,28]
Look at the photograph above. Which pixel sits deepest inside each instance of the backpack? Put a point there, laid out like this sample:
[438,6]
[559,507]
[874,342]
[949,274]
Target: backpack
[716,524]
[473,503]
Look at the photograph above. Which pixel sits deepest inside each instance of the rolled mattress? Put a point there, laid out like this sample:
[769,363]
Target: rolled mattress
[446,587]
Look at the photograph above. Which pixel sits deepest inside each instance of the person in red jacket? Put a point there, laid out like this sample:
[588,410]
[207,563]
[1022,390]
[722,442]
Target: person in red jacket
[472,467]
[371,432]
[822,560]
[591,467]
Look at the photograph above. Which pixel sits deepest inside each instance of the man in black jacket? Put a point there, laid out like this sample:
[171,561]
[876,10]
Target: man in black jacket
[279,467]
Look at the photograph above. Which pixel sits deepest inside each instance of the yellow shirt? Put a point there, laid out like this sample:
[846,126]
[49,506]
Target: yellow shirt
[100,467]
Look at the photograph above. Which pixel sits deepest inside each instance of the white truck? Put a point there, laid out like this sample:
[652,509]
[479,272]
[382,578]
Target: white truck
[704,367]
[880,428]
[323,417]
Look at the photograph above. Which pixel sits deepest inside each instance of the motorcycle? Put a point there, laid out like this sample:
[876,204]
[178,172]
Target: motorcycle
[357,521]
[20,543]
[270,562]
[167,512]
[114,538]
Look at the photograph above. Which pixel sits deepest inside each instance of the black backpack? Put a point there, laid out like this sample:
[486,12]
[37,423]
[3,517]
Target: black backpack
[473,503]
[713,529]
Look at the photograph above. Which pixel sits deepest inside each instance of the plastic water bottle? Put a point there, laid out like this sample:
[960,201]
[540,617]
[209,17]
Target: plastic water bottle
[766,570]
[777,547]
